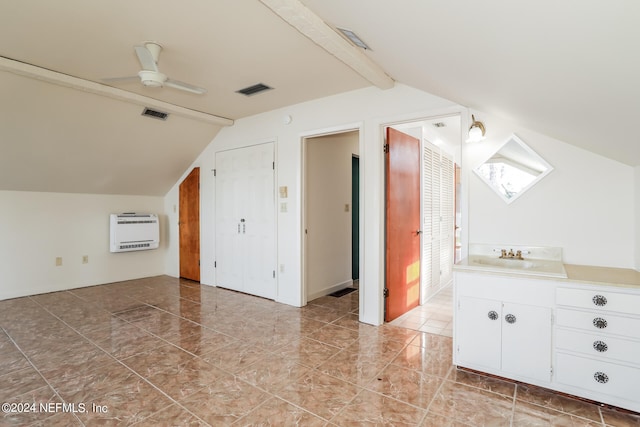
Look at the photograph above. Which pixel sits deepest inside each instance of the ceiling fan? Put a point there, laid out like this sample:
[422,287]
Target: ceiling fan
[150,76]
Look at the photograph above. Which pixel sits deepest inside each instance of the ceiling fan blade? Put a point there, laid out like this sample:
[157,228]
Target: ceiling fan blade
[146,59]
[185,86]
[121,79]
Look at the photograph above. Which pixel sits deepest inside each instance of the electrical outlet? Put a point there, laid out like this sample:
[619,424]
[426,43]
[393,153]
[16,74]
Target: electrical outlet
[85,259]
[58,261]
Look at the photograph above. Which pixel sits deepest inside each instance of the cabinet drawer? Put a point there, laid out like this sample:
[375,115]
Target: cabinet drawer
[602,323]
[597,376]
[600,345]
[599,300]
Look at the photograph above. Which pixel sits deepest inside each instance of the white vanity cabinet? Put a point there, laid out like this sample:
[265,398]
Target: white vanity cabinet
[503,326]
[597,345]
[568,335]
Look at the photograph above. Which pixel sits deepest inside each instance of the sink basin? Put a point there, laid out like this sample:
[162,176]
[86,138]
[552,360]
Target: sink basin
[505,263]
[535,267]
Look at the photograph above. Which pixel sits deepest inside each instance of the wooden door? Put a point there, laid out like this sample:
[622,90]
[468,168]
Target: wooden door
[189,224]
[402,168]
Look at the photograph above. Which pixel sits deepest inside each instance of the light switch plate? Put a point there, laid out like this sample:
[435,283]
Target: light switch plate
[284,192]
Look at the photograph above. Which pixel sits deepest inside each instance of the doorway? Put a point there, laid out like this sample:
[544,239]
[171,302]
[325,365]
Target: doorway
[439,140]
[355,217]
[189,226]
[331,248]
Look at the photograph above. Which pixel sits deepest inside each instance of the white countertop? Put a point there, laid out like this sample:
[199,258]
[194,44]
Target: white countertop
[623,277]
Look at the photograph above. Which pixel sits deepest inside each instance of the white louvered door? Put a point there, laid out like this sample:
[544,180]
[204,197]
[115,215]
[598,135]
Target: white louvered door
[437,219]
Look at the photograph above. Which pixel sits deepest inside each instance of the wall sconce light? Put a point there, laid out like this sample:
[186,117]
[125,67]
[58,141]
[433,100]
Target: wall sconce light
[476,130]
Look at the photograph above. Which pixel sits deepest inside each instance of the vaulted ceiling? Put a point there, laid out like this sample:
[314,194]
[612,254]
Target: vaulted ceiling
[567,69]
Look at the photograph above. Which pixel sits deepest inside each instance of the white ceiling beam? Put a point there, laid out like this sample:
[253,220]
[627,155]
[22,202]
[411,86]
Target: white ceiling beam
[53,77]
[309,24]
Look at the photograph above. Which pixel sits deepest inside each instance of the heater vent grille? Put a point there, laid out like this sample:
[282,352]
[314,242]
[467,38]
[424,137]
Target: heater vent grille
[155,114]
[252,90]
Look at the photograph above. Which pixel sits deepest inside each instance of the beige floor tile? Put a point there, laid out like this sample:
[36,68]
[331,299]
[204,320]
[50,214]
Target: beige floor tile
[527,414]
[547,398]
[164,351]
[406,385]
[275,413]
[472,406]
[225,401]
[320,394]
[374,409]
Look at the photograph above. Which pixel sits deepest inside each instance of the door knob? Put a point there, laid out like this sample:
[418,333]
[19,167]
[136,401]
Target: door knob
[418,232]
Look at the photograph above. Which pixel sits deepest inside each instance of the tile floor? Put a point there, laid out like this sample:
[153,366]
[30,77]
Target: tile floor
[434,317]
[167,352]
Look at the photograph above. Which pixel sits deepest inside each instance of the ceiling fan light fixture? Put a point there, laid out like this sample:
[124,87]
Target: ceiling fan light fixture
[476,130]
[152,78]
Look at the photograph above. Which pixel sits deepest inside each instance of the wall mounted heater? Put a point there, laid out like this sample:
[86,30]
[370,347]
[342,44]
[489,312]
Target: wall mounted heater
[134,232]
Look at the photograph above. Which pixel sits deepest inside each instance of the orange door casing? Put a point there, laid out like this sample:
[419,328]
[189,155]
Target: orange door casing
[190,226]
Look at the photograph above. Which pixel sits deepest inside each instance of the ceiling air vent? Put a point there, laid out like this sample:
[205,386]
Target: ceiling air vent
[252,90]
[155,114]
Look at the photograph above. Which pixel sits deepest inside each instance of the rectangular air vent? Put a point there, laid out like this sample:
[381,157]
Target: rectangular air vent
[353,37]
[252,90]
[155,114]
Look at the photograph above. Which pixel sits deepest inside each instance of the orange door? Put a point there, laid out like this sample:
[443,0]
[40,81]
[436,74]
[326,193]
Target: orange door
[402,167]
[190,226]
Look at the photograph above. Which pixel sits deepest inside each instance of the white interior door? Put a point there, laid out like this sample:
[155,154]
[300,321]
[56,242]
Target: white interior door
[258,230]
[245,220]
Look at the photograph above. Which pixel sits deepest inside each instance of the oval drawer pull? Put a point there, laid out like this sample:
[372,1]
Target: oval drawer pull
[510,318]
[599,323]
[600,346]
[599,300]
[492,315]
[601,377]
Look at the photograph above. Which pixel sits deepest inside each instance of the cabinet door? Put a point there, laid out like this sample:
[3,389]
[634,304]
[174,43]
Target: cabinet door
[526,341]
[478,330]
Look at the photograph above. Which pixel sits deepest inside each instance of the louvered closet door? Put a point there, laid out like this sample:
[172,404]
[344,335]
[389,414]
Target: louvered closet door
[437,220]
[427,223]
[245,220]
[447,212]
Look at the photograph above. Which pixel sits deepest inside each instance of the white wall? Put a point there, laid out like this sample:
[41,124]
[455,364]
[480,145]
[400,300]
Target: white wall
[35,228]
[636,224]
[328,189]
[585,206]
[366,110]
